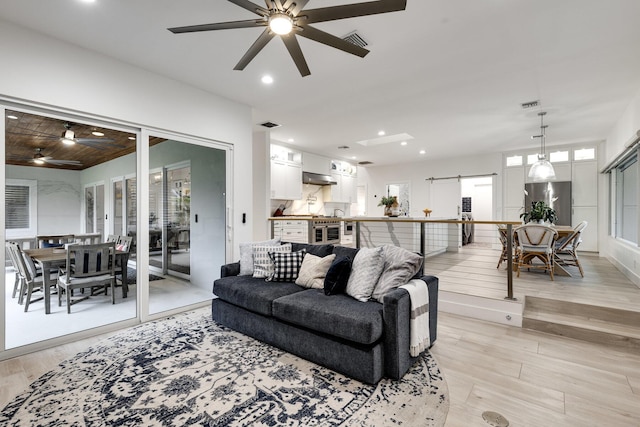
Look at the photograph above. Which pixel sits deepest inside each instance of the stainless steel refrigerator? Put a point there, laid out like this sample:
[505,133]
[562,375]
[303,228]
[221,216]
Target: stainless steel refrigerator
[555,194]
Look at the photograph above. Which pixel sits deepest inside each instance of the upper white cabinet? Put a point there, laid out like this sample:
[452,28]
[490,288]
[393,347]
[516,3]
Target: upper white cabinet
[316,164]
[286,173]
[345,174]
[584,184]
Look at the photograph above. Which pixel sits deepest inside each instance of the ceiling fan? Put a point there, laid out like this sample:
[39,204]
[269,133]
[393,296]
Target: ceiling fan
[68,137]
[287,19]
[40,159]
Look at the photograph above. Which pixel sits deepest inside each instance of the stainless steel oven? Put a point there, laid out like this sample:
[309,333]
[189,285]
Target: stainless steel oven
[325,231]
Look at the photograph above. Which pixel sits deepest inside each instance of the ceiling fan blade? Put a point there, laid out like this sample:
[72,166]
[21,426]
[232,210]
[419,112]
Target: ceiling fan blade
[219,26]
[62,162]
[277,4]
[298,5]
[332,13]
[99,144]
[295,51]
[251,7]
[255,48]
[331,40]
[34,134]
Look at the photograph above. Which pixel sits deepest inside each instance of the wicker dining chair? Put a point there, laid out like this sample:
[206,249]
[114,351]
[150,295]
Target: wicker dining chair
[566,251]
[536,242]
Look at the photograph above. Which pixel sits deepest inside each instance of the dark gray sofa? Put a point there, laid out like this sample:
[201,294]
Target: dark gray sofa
[364,340]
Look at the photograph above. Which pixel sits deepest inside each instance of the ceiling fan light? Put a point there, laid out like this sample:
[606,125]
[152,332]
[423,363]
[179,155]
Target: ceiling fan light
[38,161]
[68,137]
[280,23]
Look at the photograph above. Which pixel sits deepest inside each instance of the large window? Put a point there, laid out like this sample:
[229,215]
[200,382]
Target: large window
[627,199]
[21,207]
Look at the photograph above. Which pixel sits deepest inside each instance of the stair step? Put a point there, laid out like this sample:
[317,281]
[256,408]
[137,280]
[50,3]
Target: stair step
[607,314]
[603,325]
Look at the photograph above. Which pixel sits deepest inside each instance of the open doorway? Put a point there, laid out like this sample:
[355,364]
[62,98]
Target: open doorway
[477,204]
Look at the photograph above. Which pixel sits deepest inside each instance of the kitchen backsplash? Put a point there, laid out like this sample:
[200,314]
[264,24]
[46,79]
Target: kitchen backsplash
[312,203]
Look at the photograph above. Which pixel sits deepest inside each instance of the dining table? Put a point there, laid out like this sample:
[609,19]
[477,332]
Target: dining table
[564,231]
[49,259]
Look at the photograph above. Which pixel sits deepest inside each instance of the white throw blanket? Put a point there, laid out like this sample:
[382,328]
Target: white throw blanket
[419,326]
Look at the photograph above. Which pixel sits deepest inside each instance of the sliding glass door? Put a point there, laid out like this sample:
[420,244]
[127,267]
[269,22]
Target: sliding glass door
[62,191]
[187,221]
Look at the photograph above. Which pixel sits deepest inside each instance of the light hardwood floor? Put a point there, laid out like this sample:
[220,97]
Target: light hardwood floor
[472,271]
[531,378]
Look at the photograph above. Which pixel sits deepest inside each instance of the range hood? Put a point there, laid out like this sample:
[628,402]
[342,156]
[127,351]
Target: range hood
[317,179]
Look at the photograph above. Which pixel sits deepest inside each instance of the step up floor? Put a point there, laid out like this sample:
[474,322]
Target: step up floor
[604,325]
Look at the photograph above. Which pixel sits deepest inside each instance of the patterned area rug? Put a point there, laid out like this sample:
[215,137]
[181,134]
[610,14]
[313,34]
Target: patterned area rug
[187,370]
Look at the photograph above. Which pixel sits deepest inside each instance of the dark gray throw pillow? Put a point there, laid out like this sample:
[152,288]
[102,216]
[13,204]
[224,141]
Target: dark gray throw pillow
[337,277]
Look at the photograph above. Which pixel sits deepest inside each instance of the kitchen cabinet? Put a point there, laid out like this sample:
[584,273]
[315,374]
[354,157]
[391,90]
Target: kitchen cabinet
[291,230]
[286,180]
[345,191]
[316,164]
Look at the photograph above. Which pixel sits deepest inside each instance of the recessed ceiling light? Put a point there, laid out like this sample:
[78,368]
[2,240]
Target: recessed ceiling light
[403,143]
[12,117]
[353,157]
[88,1]
[96,133]
[290,140]
[133,138]
[267,79]
[381,133]
[423,152]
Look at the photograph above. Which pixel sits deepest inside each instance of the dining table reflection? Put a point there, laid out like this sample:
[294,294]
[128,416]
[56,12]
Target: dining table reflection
[50,259]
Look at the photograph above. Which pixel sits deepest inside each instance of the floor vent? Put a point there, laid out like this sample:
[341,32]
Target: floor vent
[269,125]
[355,38]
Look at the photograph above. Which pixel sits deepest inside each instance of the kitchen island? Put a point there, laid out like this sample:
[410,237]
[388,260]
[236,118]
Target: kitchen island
[428,236]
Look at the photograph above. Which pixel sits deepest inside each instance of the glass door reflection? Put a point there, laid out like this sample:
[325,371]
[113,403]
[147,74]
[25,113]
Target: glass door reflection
[187,222]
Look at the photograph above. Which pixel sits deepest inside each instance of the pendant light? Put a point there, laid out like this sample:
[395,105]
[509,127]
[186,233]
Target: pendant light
[542,170]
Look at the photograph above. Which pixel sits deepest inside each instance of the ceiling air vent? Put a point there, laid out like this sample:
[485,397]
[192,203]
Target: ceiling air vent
[530,104]
[365,163]
[355,38]
[269,125]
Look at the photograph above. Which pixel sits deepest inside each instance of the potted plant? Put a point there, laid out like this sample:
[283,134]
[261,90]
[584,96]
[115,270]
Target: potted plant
[388,202]
[540,212]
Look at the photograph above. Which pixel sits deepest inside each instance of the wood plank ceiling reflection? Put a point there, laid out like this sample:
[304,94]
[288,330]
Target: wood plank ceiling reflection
[27,133]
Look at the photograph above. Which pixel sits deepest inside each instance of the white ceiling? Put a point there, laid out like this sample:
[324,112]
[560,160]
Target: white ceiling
[450,73]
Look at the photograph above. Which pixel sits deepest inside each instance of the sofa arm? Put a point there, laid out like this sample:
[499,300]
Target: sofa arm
[232,269]
[396,314]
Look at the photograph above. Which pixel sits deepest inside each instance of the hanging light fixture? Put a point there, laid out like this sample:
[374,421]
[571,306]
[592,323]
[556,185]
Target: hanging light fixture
[542,170]
[68,136]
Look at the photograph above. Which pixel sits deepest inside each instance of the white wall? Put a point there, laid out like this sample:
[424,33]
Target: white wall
[625,256]
[416,174]
[59,198]
[48,72]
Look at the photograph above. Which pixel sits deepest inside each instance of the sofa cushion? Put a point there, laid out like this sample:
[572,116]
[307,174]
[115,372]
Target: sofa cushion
[337,277]
[400,265]
[365,272]
[345,252]
[286,266]
[338,315]
[246,255]
[251,293]
[317,250]
[313,271]
[262,264]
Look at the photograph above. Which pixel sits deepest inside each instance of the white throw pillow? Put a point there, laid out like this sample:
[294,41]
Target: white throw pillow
[263,266]
[365,271]
[246,255]
[400,265]
[313,271]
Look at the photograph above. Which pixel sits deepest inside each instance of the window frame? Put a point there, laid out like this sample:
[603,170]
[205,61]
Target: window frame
[32,230]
